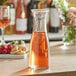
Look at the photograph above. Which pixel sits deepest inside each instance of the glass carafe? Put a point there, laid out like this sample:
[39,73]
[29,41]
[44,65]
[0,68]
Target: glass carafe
[38,57]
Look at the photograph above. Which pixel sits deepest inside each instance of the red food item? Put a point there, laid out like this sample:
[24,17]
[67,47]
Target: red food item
[4,51]
[0,50]
[8,51]
[4,47]
[10,47]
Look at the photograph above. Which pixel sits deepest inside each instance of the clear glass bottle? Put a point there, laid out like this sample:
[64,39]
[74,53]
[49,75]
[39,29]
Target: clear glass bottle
[39,48]
[21,17]
[54,19]
[12,17]
[32,5]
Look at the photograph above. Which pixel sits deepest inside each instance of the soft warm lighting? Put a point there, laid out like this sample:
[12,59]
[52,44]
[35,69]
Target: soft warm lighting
[23,14]
[33,58]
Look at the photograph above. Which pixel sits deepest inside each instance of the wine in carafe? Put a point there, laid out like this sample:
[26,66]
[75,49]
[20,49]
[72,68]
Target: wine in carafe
[39,42]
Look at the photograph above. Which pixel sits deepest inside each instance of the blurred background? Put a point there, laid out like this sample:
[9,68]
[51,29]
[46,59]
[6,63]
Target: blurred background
[21,19]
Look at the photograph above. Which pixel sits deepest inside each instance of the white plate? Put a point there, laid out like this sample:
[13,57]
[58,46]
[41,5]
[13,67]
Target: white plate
[10,56]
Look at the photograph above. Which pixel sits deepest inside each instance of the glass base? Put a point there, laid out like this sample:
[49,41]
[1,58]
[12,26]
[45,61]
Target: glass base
[38,68]
[68,43]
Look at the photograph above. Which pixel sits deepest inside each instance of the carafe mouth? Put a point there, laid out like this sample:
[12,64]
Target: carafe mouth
[40,19]
[40,10]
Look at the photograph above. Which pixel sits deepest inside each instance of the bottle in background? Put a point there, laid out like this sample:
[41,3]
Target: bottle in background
[21,18]
[12,18]
[15,3]
[0,32]
[41,4]
[32,5]
[49,2]
[54,19]
[27,1]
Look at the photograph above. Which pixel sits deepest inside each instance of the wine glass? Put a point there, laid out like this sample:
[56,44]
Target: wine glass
[4,19]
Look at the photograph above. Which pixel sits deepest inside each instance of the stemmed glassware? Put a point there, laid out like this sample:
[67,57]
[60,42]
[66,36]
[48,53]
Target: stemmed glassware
[4,19]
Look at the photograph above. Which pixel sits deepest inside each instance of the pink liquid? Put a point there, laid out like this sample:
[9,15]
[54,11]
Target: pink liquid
[15,2]
[4,22]
[38,50]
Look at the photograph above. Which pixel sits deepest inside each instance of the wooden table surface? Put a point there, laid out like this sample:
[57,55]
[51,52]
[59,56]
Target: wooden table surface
[62,63]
